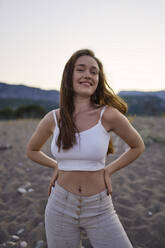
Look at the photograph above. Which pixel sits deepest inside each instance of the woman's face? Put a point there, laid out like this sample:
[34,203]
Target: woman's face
[85,76]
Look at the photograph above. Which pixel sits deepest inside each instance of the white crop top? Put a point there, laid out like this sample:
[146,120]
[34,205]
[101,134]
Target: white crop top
[88,154]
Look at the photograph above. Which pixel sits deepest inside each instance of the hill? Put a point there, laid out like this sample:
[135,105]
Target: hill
[17,95]
[144,103]
[139,102]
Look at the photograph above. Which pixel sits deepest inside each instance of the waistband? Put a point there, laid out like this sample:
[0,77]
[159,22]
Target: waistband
[67,193]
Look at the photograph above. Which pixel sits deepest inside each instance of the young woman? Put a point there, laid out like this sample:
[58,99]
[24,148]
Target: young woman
[80,188]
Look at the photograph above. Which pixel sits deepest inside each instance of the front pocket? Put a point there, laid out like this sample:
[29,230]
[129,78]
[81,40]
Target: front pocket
[106,205]
[56,202]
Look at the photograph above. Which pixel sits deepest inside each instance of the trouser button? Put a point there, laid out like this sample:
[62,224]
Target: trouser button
[78,212]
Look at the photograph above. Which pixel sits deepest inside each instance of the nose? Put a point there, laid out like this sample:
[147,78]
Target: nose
[87,74]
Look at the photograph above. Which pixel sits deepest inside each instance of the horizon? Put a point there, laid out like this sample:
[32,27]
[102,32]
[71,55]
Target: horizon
[137,90]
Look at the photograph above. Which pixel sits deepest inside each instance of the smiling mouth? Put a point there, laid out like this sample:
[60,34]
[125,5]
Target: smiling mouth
[86,83]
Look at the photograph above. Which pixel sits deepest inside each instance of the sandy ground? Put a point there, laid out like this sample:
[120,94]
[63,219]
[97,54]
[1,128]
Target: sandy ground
[138,189]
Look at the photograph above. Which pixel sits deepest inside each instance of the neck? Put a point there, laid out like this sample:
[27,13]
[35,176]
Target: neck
[82,104]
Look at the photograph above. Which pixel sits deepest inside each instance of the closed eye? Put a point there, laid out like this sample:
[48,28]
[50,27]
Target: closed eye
[94,72]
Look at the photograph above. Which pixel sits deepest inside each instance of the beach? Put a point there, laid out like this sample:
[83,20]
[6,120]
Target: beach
[138,189]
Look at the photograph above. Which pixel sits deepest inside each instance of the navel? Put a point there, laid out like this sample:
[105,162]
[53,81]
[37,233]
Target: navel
[79,189]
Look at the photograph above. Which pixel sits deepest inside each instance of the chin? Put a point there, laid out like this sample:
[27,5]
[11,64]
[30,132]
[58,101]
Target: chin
[84,92]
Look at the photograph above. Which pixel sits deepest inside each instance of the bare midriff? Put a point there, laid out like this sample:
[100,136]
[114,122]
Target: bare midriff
[82,183]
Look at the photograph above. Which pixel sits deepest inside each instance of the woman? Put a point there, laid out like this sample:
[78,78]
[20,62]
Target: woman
[80,188]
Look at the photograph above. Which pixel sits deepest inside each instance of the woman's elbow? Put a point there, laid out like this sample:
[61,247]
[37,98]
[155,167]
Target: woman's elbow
[142,148]
[28,152]
[139,149]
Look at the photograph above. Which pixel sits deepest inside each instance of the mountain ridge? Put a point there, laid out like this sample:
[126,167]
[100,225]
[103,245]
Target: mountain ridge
[13,90]
[26,92]
[139,102]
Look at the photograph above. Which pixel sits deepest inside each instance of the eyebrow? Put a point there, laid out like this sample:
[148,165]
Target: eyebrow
[94,67]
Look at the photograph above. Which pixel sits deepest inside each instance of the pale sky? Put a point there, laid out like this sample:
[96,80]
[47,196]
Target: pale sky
[37,37]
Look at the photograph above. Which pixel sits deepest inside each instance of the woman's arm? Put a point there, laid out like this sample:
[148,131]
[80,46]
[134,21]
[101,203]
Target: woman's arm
[120,125]
[40,136]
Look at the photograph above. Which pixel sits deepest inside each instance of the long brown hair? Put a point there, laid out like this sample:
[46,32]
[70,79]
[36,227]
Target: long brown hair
[103,95]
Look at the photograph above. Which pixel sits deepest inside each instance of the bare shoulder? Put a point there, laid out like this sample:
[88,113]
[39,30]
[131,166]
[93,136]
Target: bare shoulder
[111,111]
[112,114]
[48,121]
[49,117]
[112,117]
[57,113]
[119,124]
[42,133]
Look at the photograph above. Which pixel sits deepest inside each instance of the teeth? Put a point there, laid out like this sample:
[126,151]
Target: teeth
[86,83]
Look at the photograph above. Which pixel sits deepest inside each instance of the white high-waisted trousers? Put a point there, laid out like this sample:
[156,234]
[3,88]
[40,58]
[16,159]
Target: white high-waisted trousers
[66,212]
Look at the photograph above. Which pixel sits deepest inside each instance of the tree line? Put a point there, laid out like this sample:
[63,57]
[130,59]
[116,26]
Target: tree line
[23,111]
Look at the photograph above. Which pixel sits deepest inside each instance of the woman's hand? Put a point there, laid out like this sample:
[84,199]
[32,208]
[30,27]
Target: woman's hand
[107,181]
[53,179]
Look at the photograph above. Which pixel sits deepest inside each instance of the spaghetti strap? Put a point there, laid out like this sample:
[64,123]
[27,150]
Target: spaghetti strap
[55,118]
[102,111]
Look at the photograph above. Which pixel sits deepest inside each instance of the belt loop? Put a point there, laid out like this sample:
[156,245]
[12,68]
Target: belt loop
[100,196]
